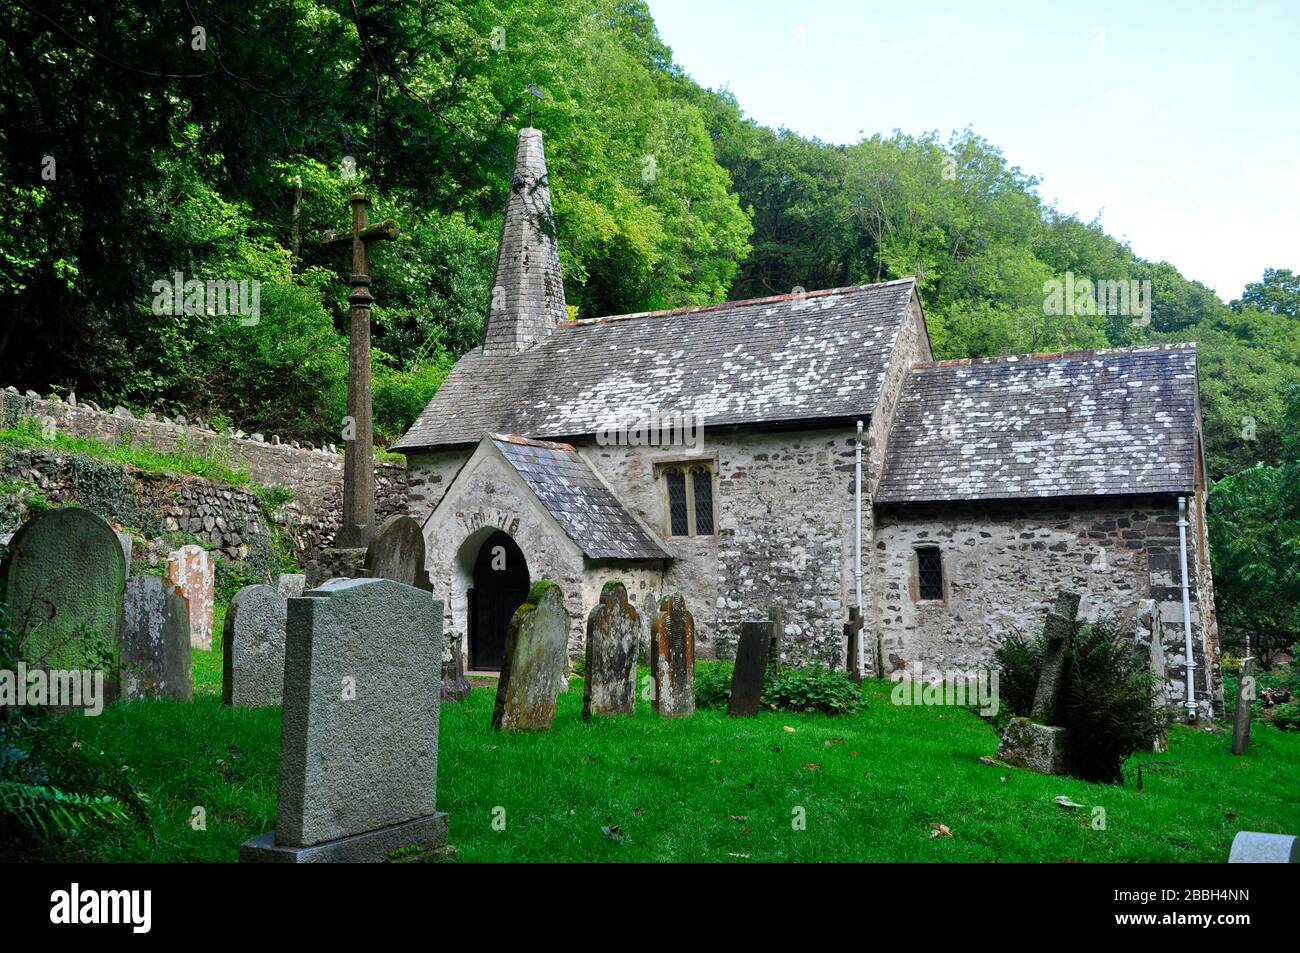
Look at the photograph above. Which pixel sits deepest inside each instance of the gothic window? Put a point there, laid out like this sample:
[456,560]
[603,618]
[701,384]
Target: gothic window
[689,489]
[929,574]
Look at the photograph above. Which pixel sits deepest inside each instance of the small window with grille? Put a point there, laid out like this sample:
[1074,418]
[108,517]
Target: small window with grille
[689,491]
[929,574]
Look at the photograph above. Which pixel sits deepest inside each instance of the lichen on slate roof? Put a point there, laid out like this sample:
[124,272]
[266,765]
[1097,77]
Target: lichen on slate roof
[589,513]
[819,355]
[1090,423]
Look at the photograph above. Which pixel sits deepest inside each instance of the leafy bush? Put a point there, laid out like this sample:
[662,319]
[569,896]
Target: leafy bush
[1287,716]
[1108,702]
[788,689]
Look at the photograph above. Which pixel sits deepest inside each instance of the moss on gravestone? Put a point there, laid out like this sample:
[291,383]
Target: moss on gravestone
[535,594]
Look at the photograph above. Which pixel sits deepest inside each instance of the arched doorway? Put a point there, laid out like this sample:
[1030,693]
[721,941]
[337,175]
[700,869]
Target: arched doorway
[500,586]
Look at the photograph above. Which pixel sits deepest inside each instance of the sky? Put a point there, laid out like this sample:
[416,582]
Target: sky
[1177,122]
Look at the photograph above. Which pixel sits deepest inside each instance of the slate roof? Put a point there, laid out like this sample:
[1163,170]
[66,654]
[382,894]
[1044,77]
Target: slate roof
[1108,422]
[813,356]
[589,513]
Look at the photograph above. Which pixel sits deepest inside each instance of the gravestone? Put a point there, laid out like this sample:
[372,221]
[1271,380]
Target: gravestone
[672,658]
[532,670]
[155,640]
[1241,716]
[851,630]
[397,552]
[252,648]
[776,644]
[613,631]
[1030,742]
[192,570]
[127,543]
[359,737]
[751,666]
[1252,847]
[291,584]
[66,577]
[455,686]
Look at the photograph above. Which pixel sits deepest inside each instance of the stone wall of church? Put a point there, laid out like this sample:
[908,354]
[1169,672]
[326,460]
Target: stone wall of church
[1004,562]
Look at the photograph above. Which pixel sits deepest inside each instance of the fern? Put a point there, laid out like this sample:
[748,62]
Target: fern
[48,811]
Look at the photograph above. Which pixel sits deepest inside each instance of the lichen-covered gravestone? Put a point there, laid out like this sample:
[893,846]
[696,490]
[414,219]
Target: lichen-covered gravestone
[455,686]
[66,577]
[1241,715]
[359,737]
[532,670]
[672,658]
[155,640]
[751,667]
[291,584]
[252,648]
[613,631]
[192,570]
[397,552]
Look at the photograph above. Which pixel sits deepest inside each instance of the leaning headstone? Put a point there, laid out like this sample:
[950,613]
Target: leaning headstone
[1034,742]
[1251,847]
[291,584]
[751,665]
[66,577]
[455,686]
[359,737]
[613,630]
[192,570]
[532,670]
[155,640]
[672,658]
[1241,716]
[252,648]
[397,552]
[1058,632]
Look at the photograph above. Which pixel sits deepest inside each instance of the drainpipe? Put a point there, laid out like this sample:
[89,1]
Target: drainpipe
[1187,609]
[857,547]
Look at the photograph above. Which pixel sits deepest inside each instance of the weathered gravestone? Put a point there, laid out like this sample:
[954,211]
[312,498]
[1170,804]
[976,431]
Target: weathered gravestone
[66,577]
[455,686]
[1252,847]
[291,584]
[672,658]
[155,640]
[1241,716]
[359,737]
[252,648]
[192,570]
[397,552]
[127,543]
[854,643]
[1034,742]
[532,670]
[751,666]
[613,631]
[776,643]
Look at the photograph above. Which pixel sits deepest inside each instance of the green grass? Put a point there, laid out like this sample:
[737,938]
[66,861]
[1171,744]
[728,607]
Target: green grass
[711,788]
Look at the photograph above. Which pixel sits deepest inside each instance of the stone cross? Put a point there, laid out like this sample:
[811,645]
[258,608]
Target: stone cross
[1241,717]
[358,453]
[1058,632]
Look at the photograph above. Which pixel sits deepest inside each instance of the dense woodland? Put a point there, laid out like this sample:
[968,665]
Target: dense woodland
[221,139]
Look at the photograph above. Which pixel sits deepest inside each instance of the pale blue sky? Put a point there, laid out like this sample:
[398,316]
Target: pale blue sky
[1179,122]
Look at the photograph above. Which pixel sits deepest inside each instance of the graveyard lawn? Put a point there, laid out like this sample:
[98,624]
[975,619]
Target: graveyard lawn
[871,787]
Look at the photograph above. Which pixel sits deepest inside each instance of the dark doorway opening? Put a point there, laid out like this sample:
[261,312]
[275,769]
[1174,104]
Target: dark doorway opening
[500,587]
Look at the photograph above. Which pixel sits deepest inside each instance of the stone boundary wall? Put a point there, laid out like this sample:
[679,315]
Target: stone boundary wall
[313,474]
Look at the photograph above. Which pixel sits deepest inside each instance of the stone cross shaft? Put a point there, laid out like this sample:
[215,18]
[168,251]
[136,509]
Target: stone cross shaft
[358,525]
[1058,632]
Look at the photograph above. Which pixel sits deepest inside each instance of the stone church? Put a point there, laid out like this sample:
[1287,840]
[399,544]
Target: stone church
[714,451]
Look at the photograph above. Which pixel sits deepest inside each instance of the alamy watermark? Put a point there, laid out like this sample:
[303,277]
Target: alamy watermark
[957,688]
[1083,296]
[60,688]
[656,430]
[228,296]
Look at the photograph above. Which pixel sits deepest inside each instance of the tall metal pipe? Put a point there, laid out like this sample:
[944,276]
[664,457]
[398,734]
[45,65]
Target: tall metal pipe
[1187,610]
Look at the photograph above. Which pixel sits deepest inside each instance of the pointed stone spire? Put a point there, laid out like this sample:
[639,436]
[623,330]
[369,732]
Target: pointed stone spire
[527,292]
